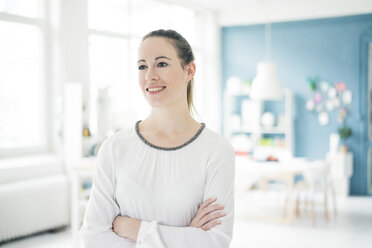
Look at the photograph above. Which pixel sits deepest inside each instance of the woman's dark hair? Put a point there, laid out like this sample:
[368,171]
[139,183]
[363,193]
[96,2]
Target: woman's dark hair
[184,53]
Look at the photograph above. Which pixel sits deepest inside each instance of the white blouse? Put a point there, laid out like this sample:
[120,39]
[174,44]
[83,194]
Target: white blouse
[162,188]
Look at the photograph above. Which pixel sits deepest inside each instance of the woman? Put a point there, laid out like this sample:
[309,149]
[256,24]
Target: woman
[168,181]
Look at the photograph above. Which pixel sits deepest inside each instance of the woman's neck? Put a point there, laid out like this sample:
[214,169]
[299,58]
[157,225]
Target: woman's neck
[172,121]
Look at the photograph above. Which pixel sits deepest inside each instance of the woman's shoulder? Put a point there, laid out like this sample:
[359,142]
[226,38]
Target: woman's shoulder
[122,136]
[216,141]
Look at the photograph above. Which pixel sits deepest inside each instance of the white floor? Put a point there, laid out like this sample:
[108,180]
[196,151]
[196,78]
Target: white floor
[351,228]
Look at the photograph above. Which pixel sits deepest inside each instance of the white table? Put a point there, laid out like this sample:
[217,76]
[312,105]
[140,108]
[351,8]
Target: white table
[250,172]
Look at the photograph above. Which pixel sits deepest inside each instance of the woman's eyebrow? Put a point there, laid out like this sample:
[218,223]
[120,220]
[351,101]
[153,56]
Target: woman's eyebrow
[162,57]
[159,57]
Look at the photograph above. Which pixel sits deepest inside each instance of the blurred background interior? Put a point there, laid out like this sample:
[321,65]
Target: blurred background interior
[288,82]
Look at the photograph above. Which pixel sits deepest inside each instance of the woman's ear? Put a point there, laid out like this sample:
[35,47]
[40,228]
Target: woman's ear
[190,71]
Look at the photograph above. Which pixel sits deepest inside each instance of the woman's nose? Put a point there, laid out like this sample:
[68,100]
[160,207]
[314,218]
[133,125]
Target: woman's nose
[151,75]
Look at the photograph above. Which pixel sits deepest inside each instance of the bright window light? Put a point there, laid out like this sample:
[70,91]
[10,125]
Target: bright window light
[146,16]
[108,15]
[108,60]
[183,21]
[29,8]
[22,108]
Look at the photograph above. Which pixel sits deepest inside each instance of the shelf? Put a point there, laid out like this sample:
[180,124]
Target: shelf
[237,94]
[274,130]
[246,119]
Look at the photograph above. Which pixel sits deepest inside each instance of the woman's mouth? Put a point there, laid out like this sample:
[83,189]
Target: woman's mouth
[155,89]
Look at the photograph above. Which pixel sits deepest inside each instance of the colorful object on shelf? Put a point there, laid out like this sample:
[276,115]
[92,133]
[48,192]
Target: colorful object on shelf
[266,142]
[345,132]
[341,86]
[268,120]
[272,158]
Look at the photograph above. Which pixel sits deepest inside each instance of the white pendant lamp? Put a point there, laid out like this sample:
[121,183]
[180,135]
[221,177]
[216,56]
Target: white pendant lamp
[266,85]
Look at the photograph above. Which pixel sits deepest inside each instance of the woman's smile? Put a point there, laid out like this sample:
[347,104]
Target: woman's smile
[155,89]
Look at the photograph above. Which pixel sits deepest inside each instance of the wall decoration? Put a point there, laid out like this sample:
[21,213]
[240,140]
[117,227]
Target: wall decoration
[332,93]
[310,105]
[319,108]
[323,118]
[342,115]
[346,97]
[318,98]
[326,98]
[330,105]
[341,86]
[312,83]
[324,86]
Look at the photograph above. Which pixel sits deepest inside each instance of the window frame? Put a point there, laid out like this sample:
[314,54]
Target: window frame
[40,23]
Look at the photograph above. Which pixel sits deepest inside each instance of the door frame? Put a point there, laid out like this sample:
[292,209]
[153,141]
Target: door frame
[366,143]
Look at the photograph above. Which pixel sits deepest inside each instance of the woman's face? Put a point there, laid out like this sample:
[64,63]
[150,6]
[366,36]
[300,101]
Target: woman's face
[162,78]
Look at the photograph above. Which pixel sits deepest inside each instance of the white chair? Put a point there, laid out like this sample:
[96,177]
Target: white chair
[317,184]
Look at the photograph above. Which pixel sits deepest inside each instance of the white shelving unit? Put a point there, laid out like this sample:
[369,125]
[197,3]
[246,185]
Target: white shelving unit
[252,127]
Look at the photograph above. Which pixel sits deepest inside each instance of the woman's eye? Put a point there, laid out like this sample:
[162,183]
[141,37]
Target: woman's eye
[141,67]
[162,64]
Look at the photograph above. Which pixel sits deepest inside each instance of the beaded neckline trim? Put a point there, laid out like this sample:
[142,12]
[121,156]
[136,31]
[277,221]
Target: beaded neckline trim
[169,148]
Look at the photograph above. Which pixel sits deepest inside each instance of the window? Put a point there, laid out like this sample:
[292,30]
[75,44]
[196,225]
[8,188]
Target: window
[22,96]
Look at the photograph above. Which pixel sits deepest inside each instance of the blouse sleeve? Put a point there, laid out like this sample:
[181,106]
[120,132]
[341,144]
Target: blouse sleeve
[96,231]
[220,172]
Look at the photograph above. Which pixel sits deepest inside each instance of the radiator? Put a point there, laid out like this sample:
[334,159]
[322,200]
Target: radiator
[34,205]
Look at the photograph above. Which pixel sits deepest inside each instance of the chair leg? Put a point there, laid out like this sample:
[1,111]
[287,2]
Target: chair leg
[298,206]
[334,201]
[291,209]
[312,203]
[326,215]
[285,206]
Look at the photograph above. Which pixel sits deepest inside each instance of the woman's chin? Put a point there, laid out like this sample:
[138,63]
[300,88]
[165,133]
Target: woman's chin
[157,104]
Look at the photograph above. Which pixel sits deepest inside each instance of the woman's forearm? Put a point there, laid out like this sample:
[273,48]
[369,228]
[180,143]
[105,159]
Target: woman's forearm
[205,218]
[126,227]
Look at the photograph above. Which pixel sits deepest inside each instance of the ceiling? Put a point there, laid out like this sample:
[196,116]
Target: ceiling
[245,12]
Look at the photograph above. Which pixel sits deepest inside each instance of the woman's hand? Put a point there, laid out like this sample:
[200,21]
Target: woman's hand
[206,217]
[126,227]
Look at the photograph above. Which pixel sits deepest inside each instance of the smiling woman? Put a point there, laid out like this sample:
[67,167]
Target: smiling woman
[168,181]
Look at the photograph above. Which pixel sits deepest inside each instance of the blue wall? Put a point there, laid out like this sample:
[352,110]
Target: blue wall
[328,48]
